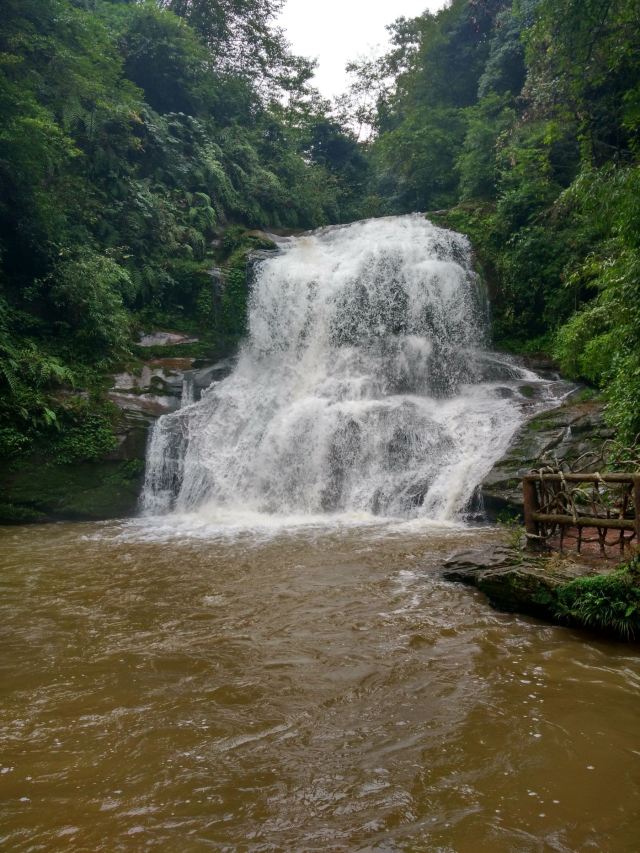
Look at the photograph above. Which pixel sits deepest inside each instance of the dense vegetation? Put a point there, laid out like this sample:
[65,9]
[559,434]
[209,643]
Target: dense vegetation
[609,602]
[141,139]
[522,119]
[131,132]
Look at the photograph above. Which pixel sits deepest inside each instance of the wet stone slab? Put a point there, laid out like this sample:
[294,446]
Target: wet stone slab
[515,581]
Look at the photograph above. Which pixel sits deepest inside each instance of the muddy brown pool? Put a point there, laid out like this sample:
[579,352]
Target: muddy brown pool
[306,688]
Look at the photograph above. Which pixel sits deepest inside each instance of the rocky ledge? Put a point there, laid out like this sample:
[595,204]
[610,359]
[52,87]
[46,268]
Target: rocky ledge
[601,596]
[514,581]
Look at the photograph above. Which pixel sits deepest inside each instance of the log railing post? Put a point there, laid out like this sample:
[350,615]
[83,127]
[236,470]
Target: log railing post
[530,501]
[636,505]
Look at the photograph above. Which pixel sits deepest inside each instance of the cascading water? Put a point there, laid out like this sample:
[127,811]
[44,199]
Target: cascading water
[364,386]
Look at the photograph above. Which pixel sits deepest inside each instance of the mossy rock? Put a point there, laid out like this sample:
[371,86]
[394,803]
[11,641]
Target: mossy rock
[598,597]
[521,589]
[513,581]
[564,433]
[89,491]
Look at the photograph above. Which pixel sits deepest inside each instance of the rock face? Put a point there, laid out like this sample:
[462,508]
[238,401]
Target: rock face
[162,385]
[156,339]
[158,387]
[563,434]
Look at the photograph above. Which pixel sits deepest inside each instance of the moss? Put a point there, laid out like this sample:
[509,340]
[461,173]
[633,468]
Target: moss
[85,436]
[236,237]
[586,395]
[85,491]
[233,319]
[234,299]
[520,589]
[536,425]
[218,326]
[16,514]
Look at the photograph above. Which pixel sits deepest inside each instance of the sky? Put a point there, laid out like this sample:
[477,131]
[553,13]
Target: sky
[337,31]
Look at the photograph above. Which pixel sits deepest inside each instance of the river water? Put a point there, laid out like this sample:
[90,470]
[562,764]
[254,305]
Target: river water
[317,687]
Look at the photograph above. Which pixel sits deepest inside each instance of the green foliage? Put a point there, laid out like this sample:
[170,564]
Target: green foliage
[423,120]
[28,377]
[86,433]
[606,602]
[477,162]
[13,443]
[88,289]
[416,160]
[602,341]
[166,60]
[584,344]
[233,315]
[243,41]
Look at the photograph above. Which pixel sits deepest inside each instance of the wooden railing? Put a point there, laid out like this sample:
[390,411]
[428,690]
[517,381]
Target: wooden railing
[587,507]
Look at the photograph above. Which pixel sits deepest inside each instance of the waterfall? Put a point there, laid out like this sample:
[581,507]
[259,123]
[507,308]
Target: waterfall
[364,385]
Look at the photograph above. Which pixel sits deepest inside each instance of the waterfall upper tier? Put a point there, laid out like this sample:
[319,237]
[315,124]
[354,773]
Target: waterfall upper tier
[364,385]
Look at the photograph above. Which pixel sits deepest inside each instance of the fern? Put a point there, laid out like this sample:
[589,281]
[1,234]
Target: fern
[606,602]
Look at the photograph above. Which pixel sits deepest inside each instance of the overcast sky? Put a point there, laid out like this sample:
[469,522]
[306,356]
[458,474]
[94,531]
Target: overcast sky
[336,31]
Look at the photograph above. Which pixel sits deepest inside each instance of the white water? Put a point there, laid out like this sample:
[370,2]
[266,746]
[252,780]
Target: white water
[364,387]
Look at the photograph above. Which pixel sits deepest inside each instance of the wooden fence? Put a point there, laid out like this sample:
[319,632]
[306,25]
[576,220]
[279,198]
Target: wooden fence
[590,508]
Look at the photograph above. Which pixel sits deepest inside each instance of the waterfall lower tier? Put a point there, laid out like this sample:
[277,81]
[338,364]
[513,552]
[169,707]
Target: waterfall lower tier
[364,385]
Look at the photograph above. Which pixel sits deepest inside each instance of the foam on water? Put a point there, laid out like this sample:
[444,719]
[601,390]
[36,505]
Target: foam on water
[257,528]
[364,389]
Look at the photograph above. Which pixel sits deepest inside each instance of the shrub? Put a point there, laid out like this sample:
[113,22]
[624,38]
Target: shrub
[607,602]
[88,288]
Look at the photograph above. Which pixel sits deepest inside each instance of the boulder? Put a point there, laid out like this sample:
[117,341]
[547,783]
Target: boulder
[573,430]
[512,580]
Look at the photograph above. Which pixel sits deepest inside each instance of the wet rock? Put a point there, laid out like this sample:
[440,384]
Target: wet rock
[164,339]
[283,233]
[165,371]
[108,487]
[132,436]
[513,581]
[218,284]
[466,564]
[262,236]
[155,389]
[159,387]
[542,365]
[152,405]
[574,430]
[206,374]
